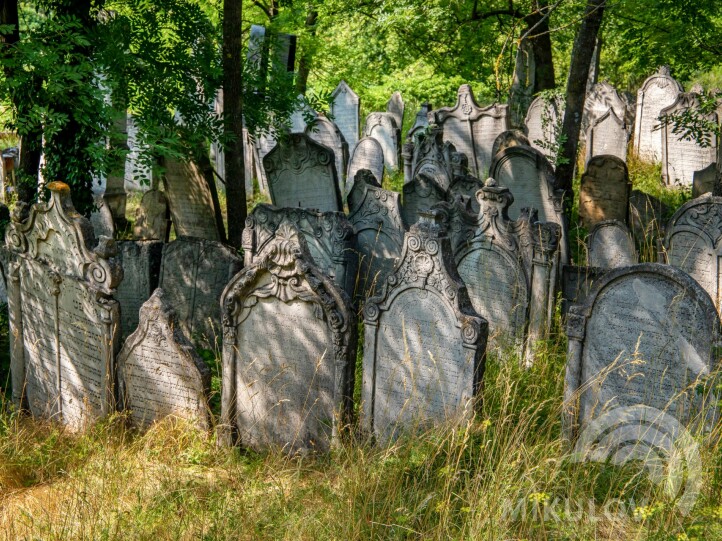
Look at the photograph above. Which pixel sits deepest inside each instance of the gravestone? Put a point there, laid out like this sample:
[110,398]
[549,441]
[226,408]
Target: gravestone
[138,176]
[472,129]
[646,335]
[102,219]
[345,109]
[464,185]
[703,181]
[682,157]
[302,173]
[368,155]
[611,245]
[507,139]
[431,156]
[383,128]
[544,124]
[293,388]
[576,284]
[602,97]
[64,322]
[375,214]
[424,351]
[656,93]
[189,200]
[420,123]
[522,86]
[693,242]
[141,272]
[193,274]
[604,191]
[151,217]
[301,115]
[326,133]
[114,195]
[646,215]
[329,237]
[159,372]
[607,135]
[396,107]
[418,196]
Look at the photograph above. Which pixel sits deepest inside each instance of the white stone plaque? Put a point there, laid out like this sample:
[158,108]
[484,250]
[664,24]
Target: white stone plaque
[346,113]
[656,93]
[611,245]
[383,128]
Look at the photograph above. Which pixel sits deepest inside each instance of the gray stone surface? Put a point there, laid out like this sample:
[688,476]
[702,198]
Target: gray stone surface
[610,245]
[419,195]
[141,272]
[425,345]
[604,192]
[431,156]
[396,107]
[703,180]
[159,372]
[645,336]
[656,93]
[289,351]
[576,284]
[346,113]
[607,134]
[302,173]
[602,97]
[329,237]
[375,214]
[507,139]
[421,122]
[193,274]
[543,123]
[102,219]
[472,129]
[368,155]
[151,217]
[383,128]
[326,133]
[138,176]
[64,322]
[522,87]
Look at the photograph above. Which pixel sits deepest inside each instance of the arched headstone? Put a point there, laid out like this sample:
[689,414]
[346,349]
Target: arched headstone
[368,154]
[611,245]
[656,93]
[383,128]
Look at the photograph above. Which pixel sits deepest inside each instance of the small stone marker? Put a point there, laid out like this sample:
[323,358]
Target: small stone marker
[607,135]
[420,123]
[189,200]
[419,195]
[368,155]
[302,173]
[383,128]
[329,236]
[472,129]
[611,245]
[193,274]
[646,335]
[507,139]
[102,219]
[656,93]
[602,97]
[375,214]
[346,113]
[431,156]
[289,351]
[141,272]
[396,107]
[64,322]
[159,372]
[464,185]
[604,192]
[326,133]
[703,181]
[543,123]
[425,345]
[151,217]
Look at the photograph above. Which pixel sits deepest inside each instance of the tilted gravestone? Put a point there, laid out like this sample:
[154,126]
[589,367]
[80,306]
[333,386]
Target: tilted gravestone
[463,184]
[383,128]
[141,272]
[645,336]
[604,191]
[693,242]
[681,157]
[375,214]
[607,134]
[64,322]
[326,133]
[102,219]
[396,107]
[543,124]
[472,129]
[419,195]
[368,155]
[420,123]
[189,200]
[703,181]
[431,156]
[424,351]
[656,93]
[302,173]
[346,113]
[193,274]
[611,245]
[602,97]
[289,351]
[507,139]
[151,217]
[160,374]
[329,237]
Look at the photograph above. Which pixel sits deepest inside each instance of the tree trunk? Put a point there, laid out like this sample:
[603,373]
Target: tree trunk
[541,46]
[576,93]
[304,63]
[233,113]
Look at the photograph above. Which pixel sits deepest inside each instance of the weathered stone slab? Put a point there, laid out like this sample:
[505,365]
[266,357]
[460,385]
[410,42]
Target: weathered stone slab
[138,176]
[419,195]
[396,107]
[375,214]
[602,97]
[368,155]
[64,322]
[383,128]
[507,139]
[302,173]
[681,157]
[159,372]
[326,133]
[425,345]
[346,113]
[431,156]
[293,387]
[703,181]
[645,336]
[611,245]
[189,200]
[141,272]
[522,86]
[420,123]
[102,219]
[193,274]
[472,129]
[544,124]
[608,135]
[605,191]
[576,284]
[656,93]
[151,217]
[329,236]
